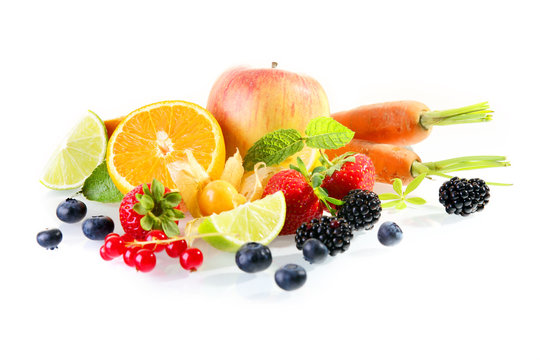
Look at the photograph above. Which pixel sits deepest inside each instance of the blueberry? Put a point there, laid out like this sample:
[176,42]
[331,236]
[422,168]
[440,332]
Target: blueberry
[314,251]
[97,227]
[389,233]
[49,238]
[290,277]
[71,211]
[253,257]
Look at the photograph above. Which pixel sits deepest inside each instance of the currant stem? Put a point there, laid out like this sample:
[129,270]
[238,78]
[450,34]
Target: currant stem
[464,115]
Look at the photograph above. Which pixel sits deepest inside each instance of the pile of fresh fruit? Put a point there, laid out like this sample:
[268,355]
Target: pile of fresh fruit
[265,158]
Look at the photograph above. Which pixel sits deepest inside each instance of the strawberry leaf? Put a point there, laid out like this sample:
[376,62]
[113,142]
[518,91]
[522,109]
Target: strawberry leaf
[170,228]
[147,202]
[147,223]
[172,199]
[140,209]
[157,189]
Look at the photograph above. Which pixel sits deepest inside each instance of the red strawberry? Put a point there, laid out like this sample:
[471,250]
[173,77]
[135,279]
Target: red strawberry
[302,203]
[346,175]
[163,207]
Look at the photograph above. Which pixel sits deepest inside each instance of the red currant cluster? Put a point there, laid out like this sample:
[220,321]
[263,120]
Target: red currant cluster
[141,253]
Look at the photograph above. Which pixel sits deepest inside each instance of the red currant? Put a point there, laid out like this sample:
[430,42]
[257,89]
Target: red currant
[191,259]
[145,260]
[103,254]
[175,248]
[129,255]
[111,235]
[127,238]
[114,247]
[155,235]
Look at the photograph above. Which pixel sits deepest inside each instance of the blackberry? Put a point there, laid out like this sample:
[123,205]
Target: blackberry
[335,233]
[464,197]
[362,209]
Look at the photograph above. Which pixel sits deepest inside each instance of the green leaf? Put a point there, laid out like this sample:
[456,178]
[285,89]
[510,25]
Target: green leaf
[147,202]
[316,180]
[390,204]
[99,186]
[172,199]
[319,169]
[302,167]
[147,223]
[398,187]
[138,196]
[140,209]
[335,201]
[157,189]
[401,205]
[416,200]
[170,228]
[327,133]
[414,184]
[177,214]
[146,190]
[274,147]
[389,196]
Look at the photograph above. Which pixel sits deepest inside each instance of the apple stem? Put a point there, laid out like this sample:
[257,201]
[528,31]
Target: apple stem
[274,64]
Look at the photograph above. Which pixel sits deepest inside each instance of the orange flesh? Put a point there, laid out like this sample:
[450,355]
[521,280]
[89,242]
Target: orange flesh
[390,161]
[395,122]
[150,140]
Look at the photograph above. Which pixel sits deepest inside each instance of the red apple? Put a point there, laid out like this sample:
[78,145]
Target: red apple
[249,103]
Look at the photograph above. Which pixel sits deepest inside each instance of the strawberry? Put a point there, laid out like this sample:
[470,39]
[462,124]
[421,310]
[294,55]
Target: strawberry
[349,172]
[150,207]
[302,202]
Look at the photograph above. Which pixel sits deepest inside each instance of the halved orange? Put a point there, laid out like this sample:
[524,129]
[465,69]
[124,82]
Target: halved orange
[155,135]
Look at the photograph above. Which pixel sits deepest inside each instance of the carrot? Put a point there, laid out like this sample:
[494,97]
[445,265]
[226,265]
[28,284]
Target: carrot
[393,161]
[405,122]
[112,124]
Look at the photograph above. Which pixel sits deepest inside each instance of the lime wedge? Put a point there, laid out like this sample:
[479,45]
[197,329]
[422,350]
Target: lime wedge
[259,221]
[82,150]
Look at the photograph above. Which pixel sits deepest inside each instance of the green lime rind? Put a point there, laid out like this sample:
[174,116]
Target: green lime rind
[83,149]
[224,243]
[259,221]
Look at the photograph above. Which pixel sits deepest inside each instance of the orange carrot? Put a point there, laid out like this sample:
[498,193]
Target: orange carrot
[112,124]
[405,122]
[393,161]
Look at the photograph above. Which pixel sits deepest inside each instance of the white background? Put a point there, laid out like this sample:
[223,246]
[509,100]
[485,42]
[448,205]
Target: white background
[455,288]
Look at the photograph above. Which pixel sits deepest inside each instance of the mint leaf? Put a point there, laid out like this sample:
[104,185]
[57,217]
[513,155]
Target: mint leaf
[274,148]
[327,133]
[99,186]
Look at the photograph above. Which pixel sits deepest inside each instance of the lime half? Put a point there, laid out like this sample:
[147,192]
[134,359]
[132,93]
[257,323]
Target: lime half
[82,150]
[259,221]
